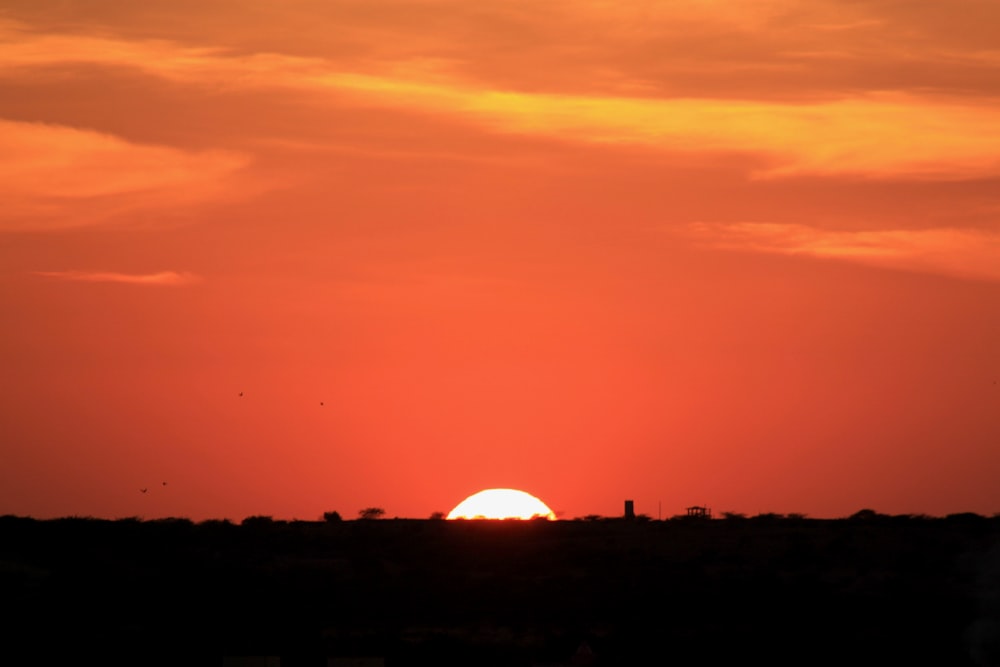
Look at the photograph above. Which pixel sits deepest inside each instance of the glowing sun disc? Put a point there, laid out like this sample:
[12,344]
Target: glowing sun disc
[501,504]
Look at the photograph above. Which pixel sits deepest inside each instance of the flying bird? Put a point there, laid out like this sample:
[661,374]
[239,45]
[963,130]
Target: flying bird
[144,490]
[241,393]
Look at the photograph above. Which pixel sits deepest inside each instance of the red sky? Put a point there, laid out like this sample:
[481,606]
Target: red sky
[745,255]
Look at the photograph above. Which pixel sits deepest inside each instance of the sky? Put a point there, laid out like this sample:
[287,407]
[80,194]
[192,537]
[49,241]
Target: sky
[280,258]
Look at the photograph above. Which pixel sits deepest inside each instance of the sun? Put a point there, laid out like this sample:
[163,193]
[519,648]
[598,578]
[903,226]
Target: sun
[501,504]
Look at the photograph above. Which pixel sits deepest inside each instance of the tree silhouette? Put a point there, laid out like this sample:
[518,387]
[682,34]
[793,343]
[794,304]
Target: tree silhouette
[331,517]
[371,513]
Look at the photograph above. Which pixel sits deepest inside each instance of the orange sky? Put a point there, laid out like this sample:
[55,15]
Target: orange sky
[744,255]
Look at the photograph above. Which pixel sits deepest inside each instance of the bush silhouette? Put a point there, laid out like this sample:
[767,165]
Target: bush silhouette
[257,520]
[371,513]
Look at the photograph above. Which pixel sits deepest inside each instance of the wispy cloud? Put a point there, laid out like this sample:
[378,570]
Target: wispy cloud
[965,253]
[879,136]
[53,176]
[164,278]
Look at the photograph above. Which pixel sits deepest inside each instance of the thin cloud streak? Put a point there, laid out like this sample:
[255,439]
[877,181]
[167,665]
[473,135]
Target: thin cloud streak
[963,253]
[884,136]
[162,278]
[55,177]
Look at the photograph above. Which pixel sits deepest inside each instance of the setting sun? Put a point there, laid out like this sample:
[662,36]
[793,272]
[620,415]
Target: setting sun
[501,504]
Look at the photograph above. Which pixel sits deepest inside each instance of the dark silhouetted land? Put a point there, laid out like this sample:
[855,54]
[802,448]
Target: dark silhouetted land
[869,590]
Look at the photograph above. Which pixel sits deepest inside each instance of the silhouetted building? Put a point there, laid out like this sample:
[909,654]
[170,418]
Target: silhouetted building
[699,512]
[629,510]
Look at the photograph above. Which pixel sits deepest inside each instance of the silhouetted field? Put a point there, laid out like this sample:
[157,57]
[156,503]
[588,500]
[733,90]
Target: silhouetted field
[871,590]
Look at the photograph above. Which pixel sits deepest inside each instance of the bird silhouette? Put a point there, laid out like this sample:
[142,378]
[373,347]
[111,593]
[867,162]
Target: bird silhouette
[164,484]
[241,393]
[144,490]
[321,403]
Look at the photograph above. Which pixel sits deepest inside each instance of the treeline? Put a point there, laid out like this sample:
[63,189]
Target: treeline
[863,590]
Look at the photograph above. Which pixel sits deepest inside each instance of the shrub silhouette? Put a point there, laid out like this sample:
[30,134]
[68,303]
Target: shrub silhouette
[331,517]
[257,521]
[371,513]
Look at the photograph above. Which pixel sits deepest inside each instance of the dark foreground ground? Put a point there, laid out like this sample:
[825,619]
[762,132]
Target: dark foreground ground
[865,591]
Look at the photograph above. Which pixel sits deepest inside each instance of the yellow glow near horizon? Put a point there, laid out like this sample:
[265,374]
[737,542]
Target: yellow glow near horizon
[501,504]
